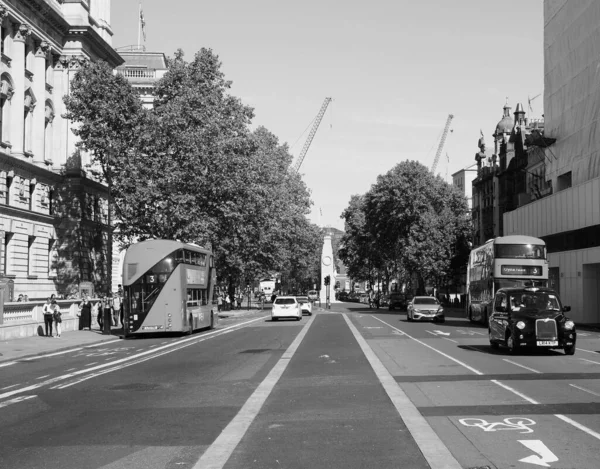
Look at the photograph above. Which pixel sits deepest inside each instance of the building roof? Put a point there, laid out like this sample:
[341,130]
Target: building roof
[154,60]
[506,124]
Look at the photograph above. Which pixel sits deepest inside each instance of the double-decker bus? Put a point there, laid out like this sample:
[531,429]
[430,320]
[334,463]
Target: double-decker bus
[505,261]
[168,286]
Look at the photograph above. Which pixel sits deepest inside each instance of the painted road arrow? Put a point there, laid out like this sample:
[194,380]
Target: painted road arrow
[545,455]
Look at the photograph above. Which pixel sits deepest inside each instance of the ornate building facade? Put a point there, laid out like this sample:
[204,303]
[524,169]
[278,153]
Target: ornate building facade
[53,211]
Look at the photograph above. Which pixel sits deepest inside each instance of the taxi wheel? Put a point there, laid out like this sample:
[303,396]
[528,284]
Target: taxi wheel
[570,350]
[510,343]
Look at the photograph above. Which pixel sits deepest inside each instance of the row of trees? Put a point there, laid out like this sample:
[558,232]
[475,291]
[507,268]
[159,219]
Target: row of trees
[411,226]
[192,169]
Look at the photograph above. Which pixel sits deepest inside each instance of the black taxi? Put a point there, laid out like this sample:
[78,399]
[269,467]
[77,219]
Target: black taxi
[531,317]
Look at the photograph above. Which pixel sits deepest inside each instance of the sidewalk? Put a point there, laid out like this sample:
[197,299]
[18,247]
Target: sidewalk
[31,346]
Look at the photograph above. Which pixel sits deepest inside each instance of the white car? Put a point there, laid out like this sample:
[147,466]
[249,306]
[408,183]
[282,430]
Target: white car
[286,307]
[305,304]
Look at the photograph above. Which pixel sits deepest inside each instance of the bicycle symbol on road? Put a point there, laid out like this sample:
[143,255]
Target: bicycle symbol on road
[511,423]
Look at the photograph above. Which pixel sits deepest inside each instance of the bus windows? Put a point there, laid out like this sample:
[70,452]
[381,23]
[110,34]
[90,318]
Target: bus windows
[520,251]
[196,296]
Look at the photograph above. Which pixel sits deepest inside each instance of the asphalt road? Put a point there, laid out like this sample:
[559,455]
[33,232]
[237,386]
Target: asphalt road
[345,388]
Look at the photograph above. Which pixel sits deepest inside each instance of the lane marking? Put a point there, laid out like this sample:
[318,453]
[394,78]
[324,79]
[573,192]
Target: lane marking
[42,377]
[11,386]
[6,364]
[432,333]
[585,390]
[477,372]
[588,351]
[71,369]
[15,400]
[451,340]
[90,364]
[103,343]
[173,346]
[543,456]
[568,420]
[219,452]
[591,361]
[434,450]
[522,366]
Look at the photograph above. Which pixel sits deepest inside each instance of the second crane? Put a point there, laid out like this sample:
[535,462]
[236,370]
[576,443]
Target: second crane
[441,145]
[311,135]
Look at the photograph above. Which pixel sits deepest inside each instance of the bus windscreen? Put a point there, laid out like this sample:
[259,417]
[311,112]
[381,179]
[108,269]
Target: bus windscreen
[519,251]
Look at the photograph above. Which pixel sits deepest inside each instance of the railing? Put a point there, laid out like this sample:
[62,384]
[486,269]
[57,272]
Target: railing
[16,312]
[138,73]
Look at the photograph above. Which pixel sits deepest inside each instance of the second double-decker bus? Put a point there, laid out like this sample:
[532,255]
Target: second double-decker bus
[505,261]
[168,286]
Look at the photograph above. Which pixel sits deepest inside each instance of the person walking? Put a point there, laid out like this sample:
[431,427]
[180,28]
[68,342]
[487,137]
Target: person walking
[85,314]
[107,313]
[48,318]
[227,303]
[57,315]
[120,295]
[97,313]
[239,299]
[219,303]
[116,304]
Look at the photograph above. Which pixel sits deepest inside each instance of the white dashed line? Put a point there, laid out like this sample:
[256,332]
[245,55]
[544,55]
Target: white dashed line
[11,386]
[585,390]
[90,364]
[522,366]
[42,377]
[6,364]
[590,361]
[15,400]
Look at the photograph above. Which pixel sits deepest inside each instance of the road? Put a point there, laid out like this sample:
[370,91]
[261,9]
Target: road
[346,388]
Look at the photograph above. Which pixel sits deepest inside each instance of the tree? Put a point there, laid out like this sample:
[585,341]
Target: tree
[417,218]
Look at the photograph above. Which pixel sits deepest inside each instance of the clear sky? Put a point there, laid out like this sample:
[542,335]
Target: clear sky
[394,68]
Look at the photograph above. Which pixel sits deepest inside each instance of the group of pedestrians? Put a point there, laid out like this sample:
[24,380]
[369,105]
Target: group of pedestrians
[52,316]
[227,302]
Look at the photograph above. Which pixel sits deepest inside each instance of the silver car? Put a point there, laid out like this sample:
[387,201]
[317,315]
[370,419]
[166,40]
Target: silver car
[425,308]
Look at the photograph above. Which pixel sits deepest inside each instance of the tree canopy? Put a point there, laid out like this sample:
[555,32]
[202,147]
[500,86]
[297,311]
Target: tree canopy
[409,225]
[191,169]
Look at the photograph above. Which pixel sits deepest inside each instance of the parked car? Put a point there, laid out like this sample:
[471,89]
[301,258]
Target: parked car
[425,308]
[531,317]
[342,296]
[363,298]
[397,300]
[313,295]
[286,307]
[305,304]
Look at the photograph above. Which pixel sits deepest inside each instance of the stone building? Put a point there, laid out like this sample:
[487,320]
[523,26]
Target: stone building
[569,219]
[53,210]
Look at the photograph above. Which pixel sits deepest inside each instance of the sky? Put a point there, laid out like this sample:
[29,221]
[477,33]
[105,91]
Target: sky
[395,70]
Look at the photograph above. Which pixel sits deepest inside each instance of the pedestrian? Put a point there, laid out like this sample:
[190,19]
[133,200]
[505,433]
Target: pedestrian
[219,303]
[107,311]
[97,312]
[227,303]
[57,315]
[85,314]
[273,297]
[117,309]
[239,300]
[48,318]
[121,310]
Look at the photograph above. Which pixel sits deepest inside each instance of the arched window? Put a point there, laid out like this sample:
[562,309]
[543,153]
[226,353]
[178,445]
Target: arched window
[6,93]
[28,121]
[48,133]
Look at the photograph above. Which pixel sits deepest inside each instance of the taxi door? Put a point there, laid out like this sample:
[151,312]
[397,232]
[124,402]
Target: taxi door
[499,316]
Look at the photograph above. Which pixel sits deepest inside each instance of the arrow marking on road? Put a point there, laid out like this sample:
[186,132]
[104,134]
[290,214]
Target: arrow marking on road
[442,333]
[545,455]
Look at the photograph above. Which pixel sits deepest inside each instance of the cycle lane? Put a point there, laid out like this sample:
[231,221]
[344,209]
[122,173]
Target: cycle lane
[331,409]
[477,404]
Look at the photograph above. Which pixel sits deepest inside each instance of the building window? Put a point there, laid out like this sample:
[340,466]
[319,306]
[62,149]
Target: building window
[564,181]
[6,254]
[31,256]
[32,186]
[10,176]
[52,257]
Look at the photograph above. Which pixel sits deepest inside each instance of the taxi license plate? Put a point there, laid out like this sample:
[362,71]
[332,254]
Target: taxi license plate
[551,343]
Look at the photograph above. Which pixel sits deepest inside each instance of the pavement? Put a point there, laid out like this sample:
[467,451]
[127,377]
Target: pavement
[15,349]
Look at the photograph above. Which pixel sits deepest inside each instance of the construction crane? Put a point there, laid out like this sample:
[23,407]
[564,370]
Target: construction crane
[311,135]
[441,145]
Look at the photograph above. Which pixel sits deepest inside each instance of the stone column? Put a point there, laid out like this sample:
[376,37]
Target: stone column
[39,90]
[3,14]
[61,88]
[17,128]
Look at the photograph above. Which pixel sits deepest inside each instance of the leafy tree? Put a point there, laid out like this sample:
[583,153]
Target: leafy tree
[417,218]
